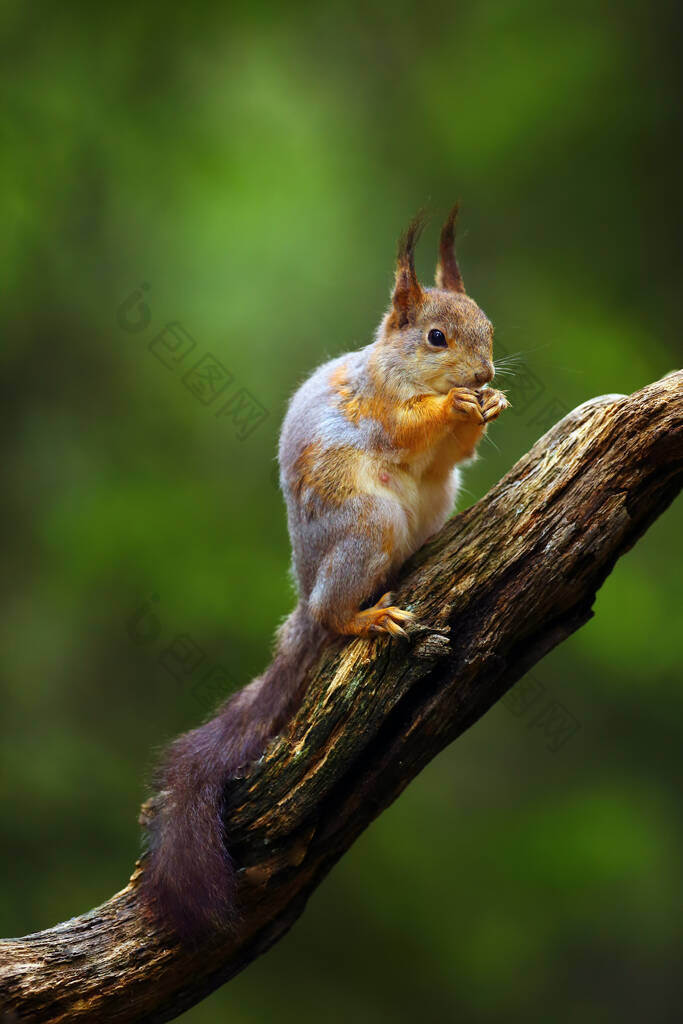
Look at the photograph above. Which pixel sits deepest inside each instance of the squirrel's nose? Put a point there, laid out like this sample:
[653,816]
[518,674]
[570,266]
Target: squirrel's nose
[485,375]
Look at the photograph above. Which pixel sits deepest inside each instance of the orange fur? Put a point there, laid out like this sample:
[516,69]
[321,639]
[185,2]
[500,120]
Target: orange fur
[329,473]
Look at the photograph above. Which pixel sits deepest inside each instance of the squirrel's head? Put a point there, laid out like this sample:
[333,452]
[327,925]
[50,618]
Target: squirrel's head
[435,338]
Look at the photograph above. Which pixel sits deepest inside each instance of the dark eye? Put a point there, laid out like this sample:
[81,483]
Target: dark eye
[437,338]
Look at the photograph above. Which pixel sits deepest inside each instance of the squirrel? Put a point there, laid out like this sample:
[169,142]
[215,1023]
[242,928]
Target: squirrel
[368,454]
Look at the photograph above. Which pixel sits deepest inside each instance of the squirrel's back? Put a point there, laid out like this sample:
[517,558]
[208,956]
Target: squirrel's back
[316,415]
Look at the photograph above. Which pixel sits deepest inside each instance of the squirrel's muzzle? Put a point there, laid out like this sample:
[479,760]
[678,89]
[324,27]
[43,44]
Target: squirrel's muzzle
[485,375]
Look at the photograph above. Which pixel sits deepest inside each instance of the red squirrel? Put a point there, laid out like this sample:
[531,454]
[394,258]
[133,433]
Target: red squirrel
[367,456]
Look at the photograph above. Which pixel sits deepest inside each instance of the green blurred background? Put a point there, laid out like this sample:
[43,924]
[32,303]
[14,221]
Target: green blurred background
[254,166]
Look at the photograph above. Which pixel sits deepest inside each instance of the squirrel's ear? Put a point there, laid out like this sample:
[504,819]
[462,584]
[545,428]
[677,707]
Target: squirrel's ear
[448,274]
[407,292]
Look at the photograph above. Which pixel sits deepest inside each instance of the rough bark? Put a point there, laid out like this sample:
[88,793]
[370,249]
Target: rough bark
[501,585]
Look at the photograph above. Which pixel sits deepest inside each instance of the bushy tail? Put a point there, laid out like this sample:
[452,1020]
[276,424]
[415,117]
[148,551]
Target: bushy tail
[190,880]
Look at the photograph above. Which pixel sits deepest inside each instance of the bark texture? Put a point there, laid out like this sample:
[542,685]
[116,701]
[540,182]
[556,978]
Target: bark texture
[501,585]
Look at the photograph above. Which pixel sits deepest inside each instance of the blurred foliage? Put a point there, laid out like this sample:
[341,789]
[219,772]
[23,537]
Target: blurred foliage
[253,165]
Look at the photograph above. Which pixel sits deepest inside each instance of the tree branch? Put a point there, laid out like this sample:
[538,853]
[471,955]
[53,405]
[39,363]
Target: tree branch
[506,580]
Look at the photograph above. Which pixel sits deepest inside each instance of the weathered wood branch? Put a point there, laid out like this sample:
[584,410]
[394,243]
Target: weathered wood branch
[506,581]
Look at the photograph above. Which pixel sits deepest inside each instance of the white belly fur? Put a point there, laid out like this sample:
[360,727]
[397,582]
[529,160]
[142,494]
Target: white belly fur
[421,505]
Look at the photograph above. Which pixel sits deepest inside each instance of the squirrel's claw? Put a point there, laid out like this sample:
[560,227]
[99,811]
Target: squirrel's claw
[388,625]
[382,617]
[493,403]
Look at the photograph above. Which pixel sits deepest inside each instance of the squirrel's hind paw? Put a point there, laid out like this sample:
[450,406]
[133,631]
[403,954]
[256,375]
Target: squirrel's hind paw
[382,617]
[387,623]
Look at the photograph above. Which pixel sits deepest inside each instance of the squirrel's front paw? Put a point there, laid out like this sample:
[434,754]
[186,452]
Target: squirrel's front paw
[492,404]
[465,404]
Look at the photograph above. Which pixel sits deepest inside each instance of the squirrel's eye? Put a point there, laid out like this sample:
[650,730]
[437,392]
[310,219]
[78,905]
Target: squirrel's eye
[437,338]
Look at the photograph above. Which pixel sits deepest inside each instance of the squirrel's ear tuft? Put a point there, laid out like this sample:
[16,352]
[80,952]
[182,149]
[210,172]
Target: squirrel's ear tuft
[407,292]
[448,274]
